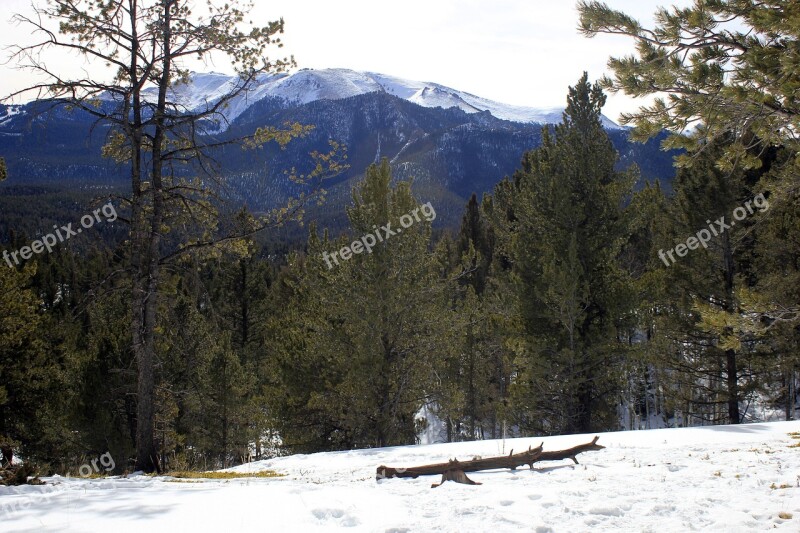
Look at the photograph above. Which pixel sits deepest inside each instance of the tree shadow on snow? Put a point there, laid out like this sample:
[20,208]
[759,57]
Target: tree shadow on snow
[741,428]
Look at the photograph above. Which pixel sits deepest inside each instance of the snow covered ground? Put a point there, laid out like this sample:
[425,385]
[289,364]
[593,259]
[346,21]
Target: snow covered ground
[723,478]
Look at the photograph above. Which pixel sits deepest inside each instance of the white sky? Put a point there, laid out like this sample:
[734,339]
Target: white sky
[524,52]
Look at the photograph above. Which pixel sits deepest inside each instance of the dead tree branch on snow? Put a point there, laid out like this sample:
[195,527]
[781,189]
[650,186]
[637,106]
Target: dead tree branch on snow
[455,470]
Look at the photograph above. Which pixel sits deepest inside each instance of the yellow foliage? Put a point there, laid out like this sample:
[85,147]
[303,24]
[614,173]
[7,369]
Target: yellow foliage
[222,475]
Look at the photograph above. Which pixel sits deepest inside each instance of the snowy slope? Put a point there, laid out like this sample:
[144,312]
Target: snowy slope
[433,95]
[305,86]
[724,478]
[9,112]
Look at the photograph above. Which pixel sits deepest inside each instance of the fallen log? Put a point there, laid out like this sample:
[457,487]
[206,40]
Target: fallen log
[455,470]
[571,453]
[19,474]
[490,463]
[455,475]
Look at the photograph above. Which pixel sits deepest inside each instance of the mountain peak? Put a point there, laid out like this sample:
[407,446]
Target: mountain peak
[309,85]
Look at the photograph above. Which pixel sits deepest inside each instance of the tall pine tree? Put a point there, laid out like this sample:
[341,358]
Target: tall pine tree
[566,236]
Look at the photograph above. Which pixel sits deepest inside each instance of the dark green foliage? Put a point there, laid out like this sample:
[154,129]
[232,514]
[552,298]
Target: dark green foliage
[705,284]
[729,66]
[564,239]
[39,370]
[21,351]
[548,311]
[778,263]
[353,346]
[728,70]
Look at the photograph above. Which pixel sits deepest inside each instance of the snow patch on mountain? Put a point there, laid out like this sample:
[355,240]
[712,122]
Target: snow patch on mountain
[9,112]
[432,95]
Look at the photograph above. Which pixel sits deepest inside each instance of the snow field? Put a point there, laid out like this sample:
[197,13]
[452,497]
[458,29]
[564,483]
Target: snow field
[723,478]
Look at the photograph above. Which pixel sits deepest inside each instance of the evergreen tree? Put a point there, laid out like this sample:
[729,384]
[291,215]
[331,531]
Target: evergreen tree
[145,43]
[778,264]
[708,277]
[566,236]
[361,365]
[727,71]
[475,240]
[27,371]
[650,226]
[728,65]
[474,384]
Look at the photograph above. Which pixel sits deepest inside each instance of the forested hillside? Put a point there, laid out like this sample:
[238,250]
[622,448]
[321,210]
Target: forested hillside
[365,271]
[547,312]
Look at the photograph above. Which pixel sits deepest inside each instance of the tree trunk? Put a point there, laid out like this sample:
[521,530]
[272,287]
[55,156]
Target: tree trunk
[141,347]
[490,463]
[583,420]
[788,386]
[732,372]
[146,458]
[733,387]
[145,412]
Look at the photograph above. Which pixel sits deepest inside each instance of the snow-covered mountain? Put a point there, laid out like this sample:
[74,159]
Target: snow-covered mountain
[305,86]
[451,143]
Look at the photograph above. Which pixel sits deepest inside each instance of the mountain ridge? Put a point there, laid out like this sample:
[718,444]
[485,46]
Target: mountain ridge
[450,152]
[308,85]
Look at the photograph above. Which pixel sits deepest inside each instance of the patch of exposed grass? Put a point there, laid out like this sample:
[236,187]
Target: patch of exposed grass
[222,475]
[781,486]
[94,475]
[759,450]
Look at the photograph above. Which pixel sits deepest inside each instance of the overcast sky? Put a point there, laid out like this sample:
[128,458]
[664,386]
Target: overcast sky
[524,52]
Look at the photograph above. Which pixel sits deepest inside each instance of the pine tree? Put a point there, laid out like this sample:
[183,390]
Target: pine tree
[727,71]
[145,43]
[359,360]
[650,226]
[25,369]
[728,65]
[474,381]
[777,297]
[475,240]
[701,292]
[567,233]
